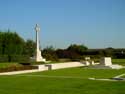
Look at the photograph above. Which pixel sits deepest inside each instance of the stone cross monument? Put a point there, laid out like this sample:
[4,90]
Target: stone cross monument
[38,57]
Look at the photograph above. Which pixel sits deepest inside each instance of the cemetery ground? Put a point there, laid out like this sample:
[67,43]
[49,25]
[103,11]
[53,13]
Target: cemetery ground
[64,81]
[7,64]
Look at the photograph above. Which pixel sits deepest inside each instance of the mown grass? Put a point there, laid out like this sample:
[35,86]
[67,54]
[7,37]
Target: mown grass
[26,84]
[123,76]
[82,72]
[119,61]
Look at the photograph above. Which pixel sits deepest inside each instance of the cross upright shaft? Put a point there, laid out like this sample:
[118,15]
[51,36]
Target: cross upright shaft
[38,56]
[37,29]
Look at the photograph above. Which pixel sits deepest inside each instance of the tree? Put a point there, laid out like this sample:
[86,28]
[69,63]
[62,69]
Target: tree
[29,48]
[11,44]
[109,51]
[79,49]
[50,53]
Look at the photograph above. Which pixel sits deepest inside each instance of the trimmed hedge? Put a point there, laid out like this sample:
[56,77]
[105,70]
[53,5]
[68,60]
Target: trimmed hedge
[14,58]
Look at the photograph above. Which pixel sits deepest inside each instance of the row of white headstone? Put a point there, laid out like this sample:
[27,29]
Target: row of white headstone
[105,62]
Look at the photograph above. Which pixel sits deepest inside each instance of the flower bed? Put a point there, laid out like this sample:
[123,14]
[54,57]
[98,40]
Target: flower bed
[18,68]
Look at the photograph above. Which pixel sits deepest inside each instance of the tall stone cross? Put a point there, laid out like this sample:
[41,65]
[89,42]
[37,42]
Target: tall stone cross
[38,56]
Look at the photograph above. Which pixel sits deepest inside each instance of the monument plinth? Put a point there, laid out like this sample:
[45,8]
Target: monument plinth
[38,56]
[106,61]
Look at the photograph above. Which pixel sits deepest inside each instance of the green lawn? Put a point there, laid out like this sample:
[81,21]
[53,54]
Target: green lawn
[123,76]
[56,83]
[83,72]
[119,61]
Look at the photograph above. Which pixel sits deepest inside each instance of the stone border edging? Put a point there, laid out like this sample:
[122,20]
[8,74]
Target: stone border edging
[46,67]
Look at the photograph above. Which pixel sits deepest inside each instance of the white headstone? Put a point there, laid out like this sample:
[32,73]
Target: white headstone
[87,58]
[87,63]
[92,63]
[106,61]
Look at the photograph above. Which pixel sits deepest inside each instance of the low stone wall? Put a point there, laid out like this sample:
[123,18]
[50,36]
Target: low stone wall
[47,67]
[60,65]
[42,67]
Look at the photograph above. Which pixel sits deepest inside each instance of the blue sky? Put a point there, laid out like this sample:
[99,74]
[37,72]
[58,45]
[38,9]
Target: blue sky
[95,23]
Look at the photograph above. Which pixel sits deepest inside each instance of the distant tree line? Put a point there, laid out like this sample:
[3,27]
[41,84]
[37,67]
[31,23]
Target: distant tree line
[73,52]
[15,48]
[77,52]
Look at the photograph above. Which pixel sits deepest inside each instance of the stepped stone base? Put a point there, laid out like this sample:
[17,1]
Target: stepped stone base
[107,67]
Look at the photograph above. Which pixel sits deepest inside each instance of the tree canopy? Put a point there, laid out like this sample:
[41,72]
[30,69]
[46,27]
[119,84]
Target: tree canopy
[12,45]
